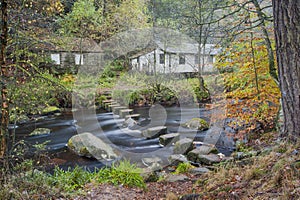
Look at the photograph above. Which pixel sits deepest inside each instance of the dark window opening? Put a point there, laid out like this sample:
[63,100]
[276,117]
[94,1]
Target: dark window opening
[181,59]
[162,58]
[210,59]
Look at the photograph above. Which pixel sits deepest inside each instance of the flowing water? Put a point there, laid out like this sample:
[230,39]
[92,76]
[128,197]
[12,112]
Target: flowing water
[64,127]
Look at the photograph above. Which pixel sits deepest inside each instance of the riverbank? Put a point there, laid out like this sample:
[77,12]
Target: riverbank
[272,174]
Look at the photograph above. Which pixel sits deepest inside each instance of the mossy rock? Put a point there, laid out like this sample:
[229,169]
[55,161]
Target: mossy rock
[19,119]
[40,131]
[196,124]
[88,145]
[50,110]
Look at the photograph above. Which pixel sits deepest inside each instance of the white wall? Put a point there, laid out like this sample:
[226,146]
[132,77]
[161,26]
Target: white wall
[145,63]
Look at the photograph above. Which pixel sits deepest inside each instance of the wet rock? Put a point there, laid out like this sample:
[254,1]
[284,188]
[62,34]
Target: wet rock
[183,146]
[202,150]
[226,141]
[107,106]
[133,116]
[125,112]
[40,131]
[209,159]
[19,119]
[175,178]
[129,123]
[151,160]
[154,132]
[111,106]
[116,109]
[150,175]
[176,159]
[50,110]
[196,124]
[88,145]
[106,102]
[199,170]
[170,138]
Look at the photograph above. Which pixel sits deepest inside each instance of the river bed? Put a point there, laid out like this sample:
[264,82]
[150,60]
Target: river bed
[63,127]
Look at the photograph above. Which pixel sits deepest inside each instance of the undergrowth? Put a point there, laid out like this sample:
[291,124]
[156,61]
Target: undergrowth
[274,175]
[26,182]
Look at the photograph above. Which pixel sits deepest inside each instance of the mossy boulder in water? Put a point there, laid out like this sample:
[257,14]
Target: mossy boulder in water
[50,110]
[88,145]
[19,119]
[196,124]
[40,131]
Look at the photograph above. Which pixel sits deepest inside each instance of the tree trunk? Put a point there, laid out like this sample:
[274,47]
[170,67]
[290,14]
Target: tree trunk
[272,68]
[287,34]
[3,75]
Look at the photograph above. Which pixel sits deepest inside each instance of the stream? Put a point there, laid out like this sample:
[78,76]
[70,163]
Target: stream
[63,127]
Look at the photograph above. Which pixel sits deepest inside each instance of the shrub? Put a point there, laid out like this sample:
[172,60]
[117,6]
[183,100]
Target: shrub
[71,180]
[124,173]
[183,168]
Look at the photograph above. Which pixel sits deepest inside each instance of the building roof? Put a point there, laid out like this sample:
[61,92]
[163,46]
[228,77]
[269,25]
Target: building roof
[178,48]
[66,44]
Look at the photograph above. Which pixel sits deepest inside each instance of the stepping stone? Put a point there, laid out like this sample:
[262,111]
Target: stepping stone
[170,138]
[125,112]
[111,106]
[106,105]
[183,146]
[154,132]
[105,102]
[116,109]
[133,116]
[107,93]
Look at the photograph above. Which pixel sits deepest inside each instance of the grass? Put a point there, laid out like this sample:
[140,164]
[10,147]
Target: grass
[124,173]
[183,168]
[268,176]
[25,182]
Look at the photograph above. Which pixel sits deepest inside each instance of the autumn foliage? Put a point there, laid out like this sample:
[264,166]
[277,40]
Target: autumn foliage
[252,94]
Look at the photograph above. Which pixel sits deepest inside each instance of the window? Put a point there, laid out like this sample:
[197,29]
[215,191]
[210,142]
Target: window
[78,59]
[181,59]
[210,59]
[161,58]
[55,58]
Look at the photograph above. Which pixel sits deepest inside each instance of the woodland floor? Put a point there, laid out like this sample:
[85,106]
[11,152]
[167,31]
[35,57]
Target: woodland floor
[275,175]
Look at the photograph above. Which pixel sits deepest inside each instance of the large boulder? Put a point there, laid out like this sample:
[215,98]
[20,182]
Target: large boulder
[19,119]
[50,110]
[209,159]
[202,150]
[196,124]
[88,145]
[176,159]
[170,138]
[154,132]
[183,146]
